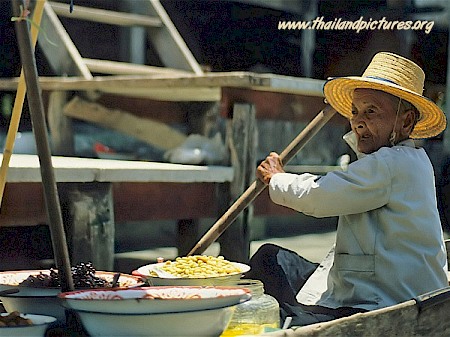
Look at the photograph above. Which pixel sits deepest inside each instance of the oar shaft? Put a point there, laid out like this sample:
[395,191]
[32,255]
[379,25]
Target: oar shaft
[43,149]
[257,186]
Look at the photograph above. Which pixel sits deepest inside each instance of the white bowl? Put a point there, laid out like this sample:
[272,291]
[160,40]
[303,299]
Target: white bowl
[228,280]
[48,305]
[37,329]
[45,301]
[12,279]
[201,323]
[149,300]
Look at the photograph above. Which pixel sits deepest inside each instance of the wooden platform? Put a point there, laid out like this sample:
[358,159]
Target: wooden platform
[26,168]
[177,87]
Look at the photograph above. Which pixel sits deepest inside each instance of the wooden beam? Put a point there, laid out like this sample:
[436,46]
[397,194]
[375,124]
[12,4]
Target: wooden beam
[265,82]
[105,16]
[123,68]
[172,49]
[180,88]
[150,131]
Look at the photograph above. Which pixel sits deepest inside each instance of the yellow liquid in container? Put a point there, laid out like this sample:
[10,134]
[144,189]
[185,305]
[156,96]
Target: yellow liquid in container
[246,329]
[252,317]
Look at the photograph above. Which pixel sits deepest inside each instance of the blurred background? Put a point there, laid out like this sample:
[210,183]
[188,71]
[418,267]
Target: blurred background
[240,36]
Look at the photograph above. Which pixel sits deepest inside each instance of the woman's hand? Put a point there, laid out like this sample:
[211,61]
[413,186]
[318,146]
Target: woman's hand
[268,167]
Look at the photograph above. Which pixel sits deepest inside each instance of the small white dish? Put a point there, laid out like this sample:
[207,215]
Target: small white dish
[37,329]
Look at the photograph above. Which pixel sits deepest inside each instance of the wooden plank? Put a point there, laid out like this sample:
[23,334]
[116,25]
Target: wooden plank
[150,131]
[25,168]
[60,127]
[123,68]
[105,16]
[180,88]
[172,49]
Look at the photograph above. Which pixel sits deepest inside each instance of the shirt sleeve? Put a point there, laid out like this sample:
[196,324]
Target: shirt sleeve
[366,185]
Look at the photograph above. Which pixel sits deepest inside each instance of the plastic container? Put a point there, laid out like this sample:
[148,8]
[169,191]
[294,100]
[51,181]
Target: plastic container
[253,316]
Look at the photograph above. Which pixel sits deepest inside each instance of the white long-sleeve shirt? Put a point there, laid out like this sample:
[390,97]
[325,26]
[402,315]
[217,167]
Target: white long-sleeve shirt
[389,240]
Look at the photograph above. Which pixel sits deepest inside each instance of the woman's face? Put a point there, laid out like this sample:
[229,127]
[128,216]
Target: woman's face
[373,119]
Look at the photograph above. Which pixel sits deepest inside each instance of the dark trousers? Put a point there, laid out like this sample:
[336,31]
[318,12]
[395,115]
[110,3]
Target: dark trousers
[283,273]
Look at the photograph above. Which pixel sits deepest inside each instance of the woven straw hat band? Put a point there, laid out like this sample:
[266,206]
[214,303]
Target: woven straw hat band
[398,70]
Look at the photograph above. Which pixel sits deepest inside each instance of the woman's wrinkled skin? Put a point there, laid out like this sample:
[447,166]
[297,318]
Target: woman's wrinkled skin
[373,119]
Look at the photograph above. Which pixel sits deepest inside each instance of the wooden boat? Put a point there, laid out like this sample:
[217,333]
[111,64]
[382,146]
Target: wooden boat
[427,316]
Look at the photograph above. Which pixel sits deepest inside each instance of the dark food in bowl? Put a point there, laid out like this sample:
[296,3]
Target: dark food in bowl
[14,319]
[83,275]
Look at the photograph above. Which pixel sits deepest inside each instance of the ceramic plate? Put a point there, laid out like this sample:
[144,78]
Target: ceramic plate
[227,280]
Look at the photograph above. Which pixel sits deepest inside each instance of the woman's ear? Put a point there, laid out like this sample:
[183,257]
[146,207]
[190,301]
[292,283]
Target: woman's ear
[408,122]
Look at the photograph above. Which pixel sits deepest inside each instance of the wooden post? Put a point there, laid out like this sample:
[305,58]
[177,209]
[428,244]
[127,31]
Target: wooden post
[241,140]
[60,126]
[89,219]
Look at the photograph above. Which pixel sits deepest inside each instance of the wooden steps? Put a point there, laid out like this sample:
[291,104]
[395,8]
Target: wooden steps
[105,16]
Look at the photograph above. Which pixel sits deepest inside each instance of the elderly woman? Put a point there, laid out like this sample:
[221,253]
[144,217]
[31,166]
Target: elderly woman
[389,244]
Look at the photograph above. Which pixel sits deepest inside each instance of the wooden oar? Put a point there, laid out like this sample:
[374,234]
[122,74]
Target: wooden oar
[37,114]
[257,186]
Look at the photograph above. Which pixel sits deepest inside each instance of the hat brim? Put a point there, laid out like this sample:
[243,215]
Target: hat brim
[339,94]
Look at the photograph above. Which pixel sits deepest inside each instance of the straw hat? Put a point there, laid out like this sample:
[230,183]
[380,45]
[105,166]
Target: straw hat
[396,75]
